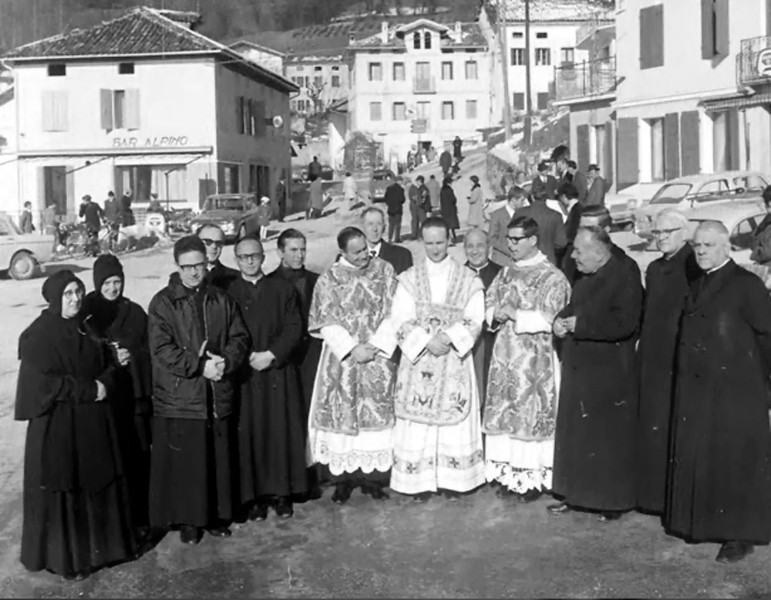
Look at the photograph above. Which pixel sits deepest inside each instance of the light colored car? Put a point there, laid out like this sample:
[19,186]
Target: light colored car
[694,190]
[622,208]
[236,214]
[21,254]
[380,180]
[741,218]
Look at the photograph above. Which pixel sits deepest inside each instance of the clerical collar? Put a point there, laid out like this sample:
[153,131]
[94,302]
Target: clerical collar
[571,203]
[348,264]
[720,266]
[254,279]
[375,248]
[477,269]
[537,258]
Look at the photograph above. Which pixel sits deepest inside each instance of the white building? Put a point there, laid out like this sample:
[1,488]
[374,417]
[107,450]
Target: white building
[142,103]
[322,78]
[420,83]
[553,31]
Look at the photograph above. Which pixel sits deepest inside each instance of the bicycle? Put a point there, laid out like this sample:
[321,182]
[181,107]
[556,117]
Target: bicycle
[77,241]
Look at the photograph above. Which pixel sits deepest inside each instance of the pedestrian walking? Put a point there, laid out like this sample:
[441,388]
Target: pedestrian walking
[449,208]
[394,200]
[264,215]
[126,212]
[25,219]
[92,215]
[434,192]
[597,186]
[314,169]
[445,161]
[457,149]
[315,199]
[280,194]
[476,217]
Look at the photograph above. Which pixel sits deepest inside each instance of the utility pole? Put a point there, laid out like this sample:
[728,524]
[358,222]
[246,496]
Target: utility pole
[505,67]
[528,126]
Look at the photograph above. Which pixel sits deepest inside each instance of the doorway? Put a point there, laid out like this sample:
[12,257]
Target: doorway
[56,189]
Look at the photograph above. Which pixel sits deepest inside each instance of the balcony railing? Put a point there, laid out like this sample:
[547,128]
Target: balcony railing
[754,61]
[585,79]
[424,85]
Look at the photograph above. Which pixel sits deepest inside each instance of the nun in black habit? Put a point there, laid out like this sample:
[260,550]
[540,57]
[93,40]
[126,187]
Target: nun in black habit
[76,506]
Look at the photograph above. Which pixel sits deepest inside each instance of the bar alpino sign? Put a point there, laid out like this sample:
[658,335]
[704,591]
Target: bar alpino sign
[166,141]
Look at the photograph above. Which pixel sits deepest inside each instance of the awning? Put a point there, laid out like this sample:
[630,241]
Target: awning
[734,102]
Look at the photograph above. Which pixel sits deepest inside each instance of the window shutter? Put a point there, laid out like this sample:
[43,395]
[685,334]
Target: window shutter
[582,146]
[131,118]
[61,111]
[627,147]
[707,33]
[671,146]
[239,114]
[607,172]
[689,142]
[249,117]
[259,118]
[721,30]
[105,98]
[652,36]
[47,107]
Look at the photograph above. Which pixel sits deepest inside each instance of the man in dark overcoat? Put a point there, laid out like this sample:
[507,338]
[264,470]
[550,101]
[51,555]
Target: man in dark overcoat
[719,482]
[594,439]
[271,420]
[217,274]
[666,289]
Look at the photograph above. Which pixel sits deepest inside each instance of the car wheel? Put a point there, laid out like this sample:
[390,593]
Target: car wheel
[23,266]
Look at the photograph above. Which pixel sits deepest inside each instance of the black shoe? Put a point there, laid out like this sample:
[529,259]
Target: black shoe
[342,493]
[529,496]
[375,491]
[190,535]
[609,515]
[559,508]
[423,497]
[283,507]
[76,576]
[731,552]
[258,512]
[220,532]
[451,495]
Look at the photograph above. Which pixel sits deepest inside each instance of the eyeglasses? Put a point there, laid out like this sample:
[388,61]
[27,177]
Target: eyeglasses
[193,267]
[210,242]
[70,294]
[516,239]
[664,232]
[249,257]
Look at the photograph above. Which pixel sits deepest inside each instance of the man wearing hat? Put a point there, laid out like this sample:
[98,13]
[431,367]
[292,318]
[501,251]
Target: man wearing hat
[596,193]
[544,185]
[92,214]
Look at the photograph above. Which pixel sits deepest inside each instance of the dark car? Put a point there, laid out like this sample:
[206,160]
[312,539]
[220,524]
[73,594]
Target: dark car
[381,179]
[236,214]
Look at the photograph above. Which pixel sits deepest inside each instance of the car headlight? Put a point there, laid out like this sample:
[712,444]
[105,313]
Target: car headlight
[228,227]
[633,204]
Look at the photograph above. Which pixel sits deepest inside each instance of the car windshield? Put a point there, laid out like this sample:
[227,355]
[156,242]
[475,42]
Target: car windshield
[671,193]
[225,204]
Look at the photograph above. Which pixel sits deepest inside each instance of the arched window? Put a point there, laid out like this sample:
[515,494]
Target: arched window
[427,40]
[416,40]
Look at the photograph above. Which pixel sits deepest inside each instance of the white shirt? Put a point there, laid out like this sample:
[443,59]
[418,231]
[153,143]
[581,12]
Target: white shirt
[375,249]
[720,266]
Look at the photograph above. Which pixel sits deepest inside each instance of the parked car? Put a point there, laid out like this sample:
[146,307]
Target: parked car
[234,213]
[688,192]
[21,254]
[380,180]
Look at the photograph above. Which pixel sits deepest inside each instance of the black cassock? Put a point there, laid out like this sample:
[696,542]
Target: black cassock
[666,289]
[483,349]
[719,484]
[76,505]
[594,454]
[271,421]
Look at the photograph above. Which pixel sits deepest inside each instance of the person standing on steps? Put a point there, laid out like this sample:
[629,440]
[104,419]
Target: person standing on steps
[449,204]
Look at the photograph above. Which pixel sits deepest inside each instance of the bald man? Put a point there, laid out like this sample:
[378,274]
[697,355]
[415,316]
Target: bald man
[476,245]
[719,484]
[594,454]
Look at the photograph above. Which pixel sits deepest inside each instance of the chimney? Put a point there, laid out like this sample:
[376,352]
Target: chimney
[351,39]
[458,31]
[384,31]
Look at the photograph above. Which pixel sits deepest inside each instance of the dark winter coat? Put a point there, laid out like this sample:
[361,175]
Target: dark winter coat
[483,348]
[594,454]
[394,199]
[400,258]
[221,276]
[445,161]
[449,207]
[719,484]
[666,289]
[176,337]
[544,190]
[551,230]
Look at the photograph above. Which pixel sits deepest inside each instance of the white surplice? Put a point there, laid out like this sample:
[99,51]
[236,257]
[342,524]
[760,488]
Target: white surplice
[428,456]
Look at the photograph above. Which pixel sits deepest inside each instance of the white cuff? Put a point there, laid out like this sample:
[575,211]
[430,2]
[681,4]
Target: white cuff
[339,340]
[384,339]
[461,339]
[531,321]
[414,343]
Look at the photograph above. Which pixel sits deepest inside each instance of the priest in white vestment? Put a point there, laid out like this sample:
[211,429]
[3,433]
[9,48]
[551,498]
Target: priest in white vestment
[437,314]
[351,420]
[523,383]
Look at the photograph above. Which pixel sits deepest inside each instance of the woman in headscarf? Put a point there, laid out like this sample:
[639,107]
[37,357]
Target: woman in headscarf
[449,207]
[122,324]
[76,512]
[476,217]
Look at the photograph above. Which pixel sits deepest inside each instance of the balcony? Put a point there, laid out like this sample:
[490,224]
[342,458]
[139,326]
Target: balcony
[585,79]
[424,85]
[595,32]
[754,61]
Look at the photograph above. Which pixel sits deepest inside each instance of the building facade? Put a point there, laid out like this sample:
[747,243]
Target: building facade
[322,78]
[142,104]
[420,84]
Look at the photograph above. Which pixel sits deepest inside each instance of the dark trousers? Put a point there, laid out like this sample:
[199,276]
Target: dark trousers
[281,209]
[394,228]
[418,215]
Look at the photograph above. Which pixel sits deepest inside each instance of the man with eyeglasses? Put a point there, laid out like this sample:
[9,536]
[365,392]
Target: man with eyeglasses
[594,441]
[352,410]
[198,343]
[719,480]
[523,384]
[214,239]
[271,431]
[667,281]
